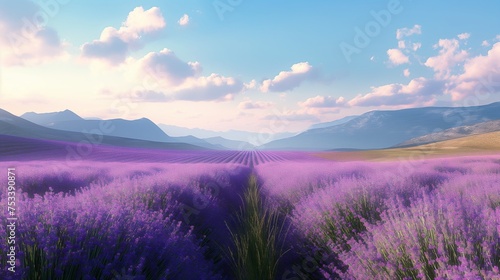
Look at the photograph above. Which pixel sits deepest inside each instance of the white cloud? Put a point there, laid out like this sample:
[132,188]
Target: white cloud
[485,43]
[463,36]
[406,32]
[481,75]
[24,38]
[150,96]
[114,45]
[249,105]
[397,57]
[251,85]
[323,102]
[288,80]
[293,116]
[169,78]
[401,44]
[141,21]
[416,46]
[184,20]
[418,92]
[449,56]
[166,67]
[214,87]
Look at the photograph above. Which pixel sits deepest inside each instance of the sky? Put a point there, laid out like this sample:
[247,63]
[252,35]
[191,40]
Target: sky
[256,65]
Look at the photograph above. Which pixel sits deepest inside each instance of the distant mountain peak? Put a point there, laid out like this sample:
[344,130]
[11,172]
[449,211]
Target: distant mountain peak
[51,117]
[386,128]
[332,123]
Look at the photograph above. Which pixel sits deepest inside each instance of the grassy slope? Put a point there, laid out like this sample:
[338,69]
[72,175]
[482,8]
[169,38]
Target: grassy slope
[486,143]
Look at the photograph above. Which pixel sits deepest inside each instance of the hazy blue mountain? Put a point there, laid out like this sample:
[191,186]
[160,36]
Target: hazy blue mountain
[198,142]
[332,123]
[236,135]
[453,133]
[382,129]
[230,144]
[12,125]
[177,131]
[141,129]
[47,119]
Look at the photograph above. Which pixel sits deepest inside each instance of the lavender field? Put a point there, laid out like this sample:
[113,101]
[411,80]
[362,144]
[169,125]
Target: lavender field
[254,215]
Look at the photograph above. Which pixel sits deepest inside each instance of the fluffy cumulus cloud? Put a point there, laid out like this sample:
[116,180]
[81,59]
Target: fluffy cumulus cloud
[406,32]
[214,87]
[211,88]
[184,20]
[418,92]
[170,78]
[416,46]
[288,80]
[150,96]
[250,105]
[397,57]
[25,38]
[166,67]
[401,54]
[457,74]
[323,102]
[450,55]
[114,45]
[251,85]
[481,76]
[463,36]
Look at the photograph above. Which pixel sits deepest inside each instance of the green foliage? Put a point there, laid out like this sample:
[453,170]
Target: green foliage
[257,249]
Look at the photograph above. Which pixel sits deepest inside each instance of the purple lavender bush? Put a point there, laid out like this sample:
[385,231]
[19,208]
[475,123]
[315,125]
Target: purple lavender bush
[133,224]
[429,219]
[196,215]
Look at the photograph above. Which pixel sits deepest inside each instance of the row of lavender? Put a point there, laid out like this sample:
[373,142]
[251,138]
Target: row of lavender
[108,220]
[66,153]
[105,216]
[432,219]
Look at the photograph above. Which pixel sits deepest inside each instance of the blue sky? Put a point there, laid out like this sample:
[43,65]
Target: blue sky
[238,64]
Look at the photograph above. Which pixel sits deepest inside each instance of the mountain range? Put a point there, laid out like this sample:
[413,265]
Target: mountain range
[16,128]
[454,133]
[332,123]
[141,129]
[236,135]
[383,129]
[371,130]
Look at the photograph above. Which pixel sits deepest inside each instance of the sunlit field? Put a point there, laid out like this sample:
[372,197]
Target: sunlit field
[256,215]
[249,140]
